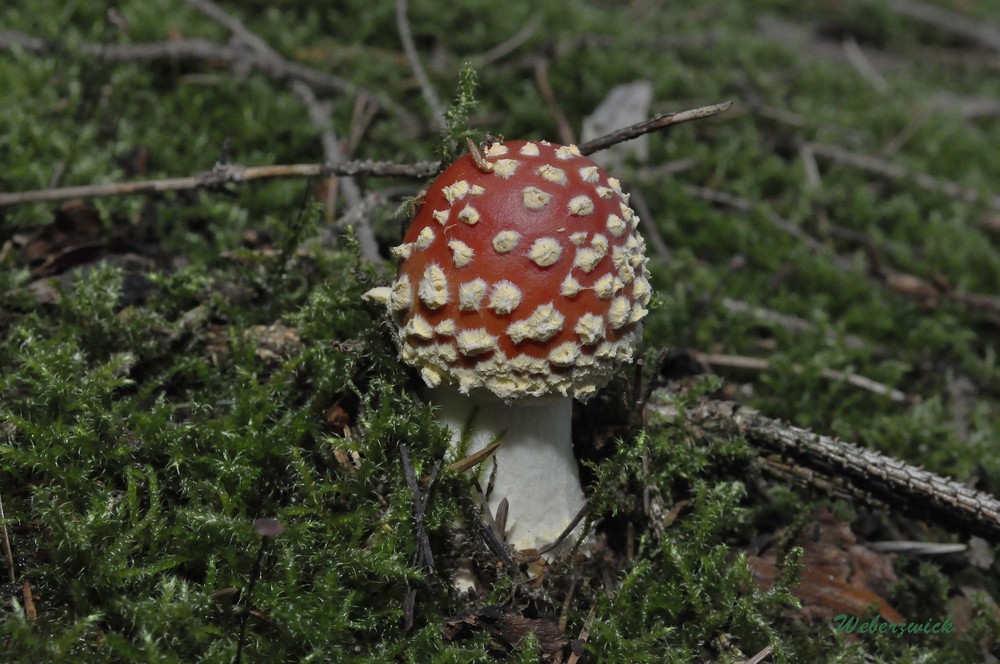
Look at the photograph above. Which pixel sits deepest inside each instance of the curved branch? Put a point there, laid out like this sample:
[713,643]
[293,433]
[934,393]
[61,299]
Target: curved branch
[222,175]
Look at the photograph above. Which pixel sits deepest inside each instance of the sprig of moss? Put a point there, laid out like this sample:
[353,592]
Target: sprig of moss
[456,116]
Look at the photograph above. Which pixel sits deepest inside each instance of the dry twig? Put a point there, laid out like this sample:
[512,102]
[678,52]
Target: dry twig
[405,36]
[930,293]
[361,213]
[864,66]
[235,56]
[234,25]
[892,171]
[940,17]
[319,114]
[760,656]
[866,475]
[7,554]
[509,45]
[361,118]
[651,232]
[779,222]
[584,634]
[760,364]
[813,179]
[908,285]
[224,174]
[790,323]
[657,122]
[494,537]
[30,610]
[425,557]
[567,531]
[563,127]
[221,175]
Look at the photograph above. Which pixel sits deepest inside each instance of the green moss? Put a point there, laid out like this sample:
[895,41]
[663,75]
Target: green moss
[149,415]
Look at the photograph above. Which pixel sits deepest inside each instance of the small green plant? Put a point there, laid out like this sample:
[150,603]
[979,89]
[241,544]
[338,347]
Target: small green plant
[456,129]
[205,357]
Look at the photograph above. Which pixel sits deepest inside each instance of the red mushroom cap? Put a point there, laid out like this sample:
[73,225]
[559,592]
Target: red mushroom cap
[522,273]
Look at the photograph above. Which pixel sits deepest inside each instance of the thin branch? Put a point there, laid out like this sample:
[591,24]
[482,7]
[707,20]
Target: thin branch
[667,169]
[223,175]
[563,128]
[567,531]
[373,200]
[319,114]
[232,55]
[7,554]
[234,25]
[791,323]
[863,65]
[656,123]
[761,364]
[30,610]
[405,36]
[584,634]
[493,537]
[867,475]
[940,17]
[908,285]
[931,293]
[760,656]
[650,231]
[10,40]
[509,45]
[361,118]
[893,171]
[425,557]
[813,179]
[779,222]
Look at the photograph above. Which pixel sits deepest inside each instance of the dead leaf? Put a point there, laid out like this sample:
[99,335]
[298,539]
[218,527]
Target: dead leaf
[275,340]
[512,628]
[337,417]
[474,459]
[509,628]
[839,576]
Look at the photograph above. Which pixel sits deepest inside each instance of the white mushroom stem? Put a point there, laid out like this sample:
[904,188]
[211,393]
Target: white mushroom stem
[535,469]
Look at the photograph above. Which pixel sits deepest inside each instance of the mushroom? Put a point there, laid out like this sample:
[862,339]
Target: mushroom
[522,285]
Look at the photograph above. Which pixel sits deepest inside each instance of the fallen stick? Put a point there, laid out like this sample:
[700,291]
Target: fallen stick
[761,364]
[832,464]
[656,123]
[224,174]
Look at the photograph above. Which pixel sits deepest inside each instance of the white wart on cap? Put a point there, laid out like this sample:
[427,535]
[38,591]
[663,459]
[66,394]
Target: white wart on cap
[522,273]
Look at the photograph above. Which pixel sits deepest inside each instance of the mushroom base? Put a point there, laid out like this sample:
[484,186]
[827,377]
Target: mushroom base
[535,468]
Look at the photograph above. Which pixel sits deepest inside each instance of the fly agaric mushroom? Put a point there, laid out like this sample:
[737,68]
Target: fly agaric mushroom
[522,285]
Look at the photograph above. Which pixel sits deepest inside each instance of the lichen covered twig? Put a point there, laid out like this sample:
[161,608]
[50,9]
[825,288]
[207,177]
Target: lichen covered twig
[865,474]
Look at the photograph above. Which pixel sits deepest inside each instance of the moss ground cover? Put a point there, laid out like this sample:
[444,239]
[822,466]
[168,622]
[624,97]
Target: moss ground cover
[174,367]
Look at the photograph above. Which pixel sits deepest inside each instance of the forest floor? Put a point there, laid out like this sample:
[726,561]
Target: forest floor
[201,421]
